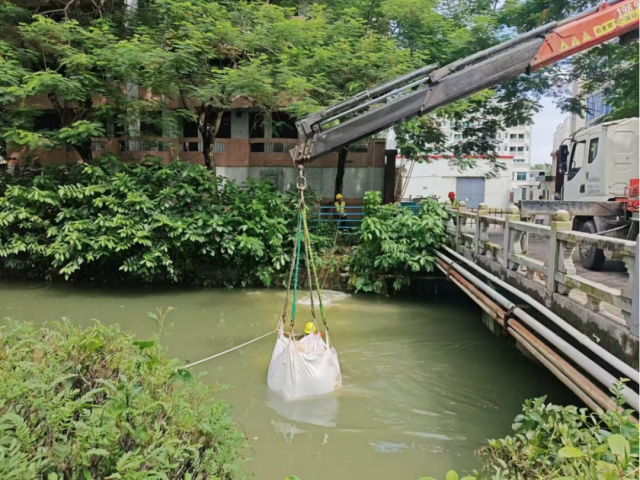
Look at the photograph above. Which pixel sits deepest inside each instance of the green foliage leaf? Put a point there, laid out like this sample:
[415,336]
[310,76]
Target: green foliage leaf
[451,475]
[142,344]
[619,445]
[570,452]
[92,344]
[184,375]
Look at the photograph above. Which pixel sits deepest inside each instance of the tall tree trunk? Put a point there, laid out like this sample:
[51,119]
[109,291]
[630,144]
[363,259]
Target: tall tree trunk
[208,141]
[209,124]
[342,161]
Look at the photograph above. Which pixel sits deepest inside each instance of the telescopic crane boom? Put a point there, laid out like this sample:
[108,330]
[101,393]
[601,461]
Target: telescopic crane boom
[428,88]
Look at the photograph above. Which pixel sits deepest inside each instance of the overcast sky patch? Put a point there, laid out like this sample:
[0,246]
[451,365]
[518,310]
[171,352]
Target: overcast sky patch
[545,123]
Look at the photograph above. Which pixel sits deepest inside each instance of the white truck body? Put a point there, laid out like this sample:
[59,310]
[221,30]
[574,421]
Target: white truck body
[603,160]
[600,163]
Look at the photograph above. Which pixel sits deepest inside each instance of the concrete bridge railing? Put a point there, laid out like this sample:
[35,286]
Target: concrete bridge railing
[469,230]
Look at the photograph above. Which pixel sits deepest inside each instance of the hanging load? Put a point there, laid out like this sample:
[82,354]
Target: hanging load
[306,365]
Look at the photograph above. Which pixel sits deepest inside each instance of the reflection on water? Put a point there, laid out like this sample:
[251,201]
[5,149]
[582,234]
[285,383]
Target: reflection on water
[321,410]
[424,382]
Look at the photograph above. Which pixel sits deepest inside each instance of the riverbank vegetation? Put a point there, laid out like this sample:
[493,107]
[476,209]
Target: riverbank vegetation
[159,223]
[395,243]
[563,442]
[94,403]
[115,222]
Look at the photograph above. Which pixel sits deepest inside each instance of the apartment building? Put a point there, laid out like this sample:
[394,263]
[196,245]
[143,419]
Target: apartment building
[513,143]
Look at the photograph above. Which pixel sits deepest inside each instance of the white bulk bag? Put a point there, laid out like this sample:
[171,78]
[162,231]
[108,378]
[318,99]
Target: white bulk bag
[305,367]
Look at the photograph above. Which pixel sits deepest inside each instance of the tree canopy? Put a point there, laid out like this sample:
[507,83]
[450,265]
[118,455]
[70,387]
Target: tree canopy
[88,63]
[205,54]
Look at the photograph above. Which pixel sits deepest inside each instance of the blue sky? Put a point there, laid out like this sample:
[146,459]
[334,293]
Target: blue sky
[545,123]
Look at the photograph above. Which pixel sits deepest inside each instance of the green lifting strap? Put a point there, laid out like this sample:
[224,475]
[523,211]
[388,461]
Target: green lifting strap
[307,240]
[295,280]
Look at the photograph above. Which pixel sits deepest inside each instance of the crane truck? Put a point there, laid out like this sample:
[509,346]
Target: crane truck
[428,88]
[597,171]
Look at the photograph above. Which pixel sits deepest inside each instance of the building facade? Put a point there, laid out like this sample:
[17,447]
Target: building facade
[249,144]
[473,185]
[513,142]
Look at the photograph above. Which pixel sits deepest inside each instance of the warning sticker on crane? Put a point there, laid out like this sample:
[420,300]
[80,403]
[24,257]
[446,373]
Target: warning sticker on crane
[574,43]
[605,28]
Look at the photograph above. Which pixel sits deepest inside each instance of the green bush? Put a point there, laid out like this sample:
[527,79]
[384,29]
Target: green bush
[153,222]
[395,241]
[552,441]
[93,403]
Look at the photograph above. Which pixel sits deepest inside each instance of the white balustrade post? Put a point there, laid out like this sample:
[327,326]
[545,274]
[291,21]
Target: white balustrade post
[511,238]
[460,220]
[481,235]
[559,259]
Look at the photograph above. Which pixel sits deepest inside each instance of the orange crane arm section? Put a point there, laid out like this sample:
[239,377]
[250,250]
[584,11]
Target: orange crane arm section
[608,22]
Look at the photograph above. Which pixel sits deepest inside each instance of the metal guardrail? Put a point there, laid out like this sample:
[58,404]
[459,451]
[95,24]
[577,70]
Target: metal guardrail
[558,270]
[352,217]
[349,220]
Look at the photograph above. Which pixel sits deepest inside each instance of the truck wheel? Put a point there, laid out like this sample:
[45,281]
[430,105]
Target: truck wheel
[591,258]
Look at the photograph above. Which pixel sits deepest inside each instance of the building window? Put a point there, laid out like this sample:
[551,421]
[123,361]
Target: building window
[457,136]
[283,126]
[189,128]
[512,149]
[512,136]
[518,160]
[47,121]
[521,136]
[152,125]
[521,176]
[596,107]
[225,126]
[520,149]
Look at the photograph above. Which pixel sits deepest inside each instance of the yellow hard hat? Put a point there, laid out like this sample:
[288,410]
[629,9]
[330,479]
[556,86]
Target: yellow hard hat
[338,196]
[309,328]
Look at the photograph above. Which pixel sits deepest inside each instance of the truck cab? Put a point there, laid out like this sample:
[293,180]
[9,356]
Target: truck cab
[602,160]
[601,164]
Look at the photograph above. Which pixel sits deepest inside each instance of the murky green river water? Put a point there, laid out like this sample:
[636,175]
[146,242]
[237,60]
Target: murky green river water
[425,383]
